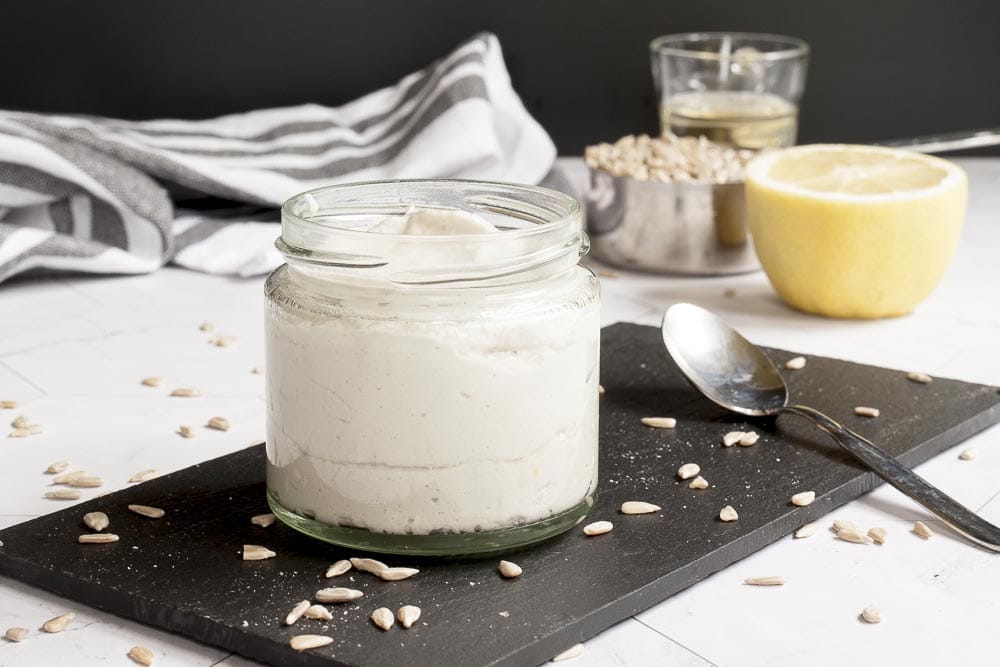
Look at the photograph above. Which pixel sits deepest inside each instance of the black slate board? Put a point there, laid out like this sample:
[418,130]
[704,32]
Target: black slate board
[183,572]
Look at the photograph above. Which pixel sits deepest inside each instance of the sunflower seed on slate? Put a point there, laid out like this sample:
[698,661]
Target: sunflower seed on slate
[383,618]
[338,568]
[97,538]
[509,569]
[318,612]
[598,528]
[337,595]
[639,507]
[257,552]
[727,513]
[408,615]
[296,612]
[306,642]
[263,520]
[96,521]
[146,510]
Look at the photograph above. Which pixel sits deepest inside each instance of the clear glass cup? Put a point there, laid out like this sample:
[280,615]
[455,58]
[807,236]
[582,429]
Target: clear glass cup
[737,88]
[432,394]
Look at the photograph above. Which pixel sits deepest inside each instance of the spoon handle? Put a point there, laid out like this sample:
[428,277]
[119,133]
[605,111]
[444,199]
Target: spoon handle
[956,515]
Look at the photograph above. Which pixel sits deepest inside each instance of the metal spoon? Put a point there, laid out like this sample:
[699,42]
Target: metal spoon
[734,373]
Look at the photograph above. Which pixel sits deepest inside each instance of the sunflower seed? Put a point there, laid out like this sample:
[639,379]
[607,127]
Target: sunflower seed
[879,535]
[338,568]
[872,614]
[968,454]
[15,634]
[185,392]
[796,364]
[864,411]
[63,494]
[852,535]
[659,422]
[257,370]
[85,481]
[639,507]
[921,529]
[748,439]
[408,615]
[368,565]
[257,552]
[96,521]
[606,273]
[698,482]
[186,431]
[383,618]
[146,510]
[222,341]
[598,528]
[318,612]
[600,390]
[509,569]
[218,423]
[65,477]
[727,513]
[152,381]
[207,327]
[306,642]
[20,433]
[21,421]
[296,612]
[764,581]
[143,476]
[804,498]
[397,573]
[574,651]
[97,538]
[731,438]
[688,470]
[59,623]
[844,524]
[263,520]
[337,595]
[57,467]
[807,530]
[8,405]
[141,655]
[920,378]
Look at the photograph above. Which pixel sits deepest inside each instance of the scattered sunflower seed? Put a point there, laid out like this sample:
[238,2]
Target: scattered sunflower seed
[96,521]
[879,535]
[143,476]
[63,494]
[185,392]
[338,568]
[864,411]
[368,565]
[872,614]
[306,642]
[318,612]
[796,364]
[731,438]
[639,507]
[749,439]
[408,615]
[16,634]
[97,538]
[59,623]
[807,530]
[600,390]
[85,481]
[764,581]
[152,381]
[968,454]
[920,378]
[853,535]
[659,422]
[509,569]
[257,370]
[698,482]
[397,573]
[383,618]
[337,595]
[607,273]
[804,498]
[574,651]
[57,467]
[257,552]
[222,341]
[727,513]
[141,655]
[21,421]
[20,433]
[263,520]
[218,423]
[64,478]
[921,529]
[296,612]
[842,524]
[146,510]
[598,528]
[186,431]
[688,470]
[8,405]
[207,327]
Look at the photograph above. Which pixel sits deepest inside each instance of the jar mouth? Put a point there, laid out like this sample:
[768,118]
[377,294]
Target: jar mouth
[703,45]
[326,230]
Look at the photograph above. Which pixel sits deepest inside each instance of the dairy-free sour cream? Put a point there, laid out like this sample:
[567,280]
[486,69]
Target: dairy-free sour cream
[432,367]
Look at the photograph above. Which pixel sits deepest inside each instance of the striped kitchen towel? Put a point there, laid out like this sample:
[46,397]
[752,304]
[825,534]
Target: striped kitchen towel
[106,196]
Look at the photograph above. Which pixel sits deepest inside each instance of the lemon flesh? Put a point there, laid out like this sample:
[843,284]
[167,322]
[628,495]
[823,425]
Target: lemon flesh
[854,231]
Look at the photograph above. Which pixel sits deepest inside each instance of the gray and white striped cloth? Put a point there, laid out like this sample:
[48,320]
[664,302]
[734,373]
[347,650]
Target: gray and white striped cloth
[98,195]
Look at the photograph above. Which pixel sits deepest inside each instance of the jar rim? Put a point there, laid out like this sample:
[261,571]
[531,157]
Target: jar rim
[674,45]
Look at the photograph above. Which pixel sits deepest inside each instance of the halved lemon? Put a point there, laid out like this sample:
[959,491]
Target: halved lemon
[854,231]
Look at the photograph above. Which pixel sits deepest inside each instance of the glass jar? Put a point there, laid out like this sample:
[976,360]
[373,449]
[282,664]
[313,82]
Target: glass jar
[432,394]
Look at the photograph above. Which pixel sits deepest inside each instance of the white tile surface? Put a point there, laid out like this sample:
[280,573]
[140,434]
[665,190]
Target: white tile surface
[74,350]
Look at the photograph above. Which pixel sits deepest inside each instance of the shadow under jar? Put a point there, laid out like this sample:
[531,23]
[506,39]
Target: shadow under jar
[432,394]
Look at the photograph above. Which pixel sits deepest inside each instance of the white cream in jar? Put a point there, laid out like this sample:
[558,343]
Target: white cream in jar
[448,404]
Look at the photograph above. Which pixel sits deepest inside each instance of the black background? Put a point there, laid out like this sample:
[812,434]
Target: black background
[879,70]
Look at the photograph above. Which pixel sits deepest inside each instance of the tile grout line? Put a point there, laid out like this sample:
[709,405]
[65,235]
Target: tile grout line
[222,659]
[22,376]
[674,641]
[991,499]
